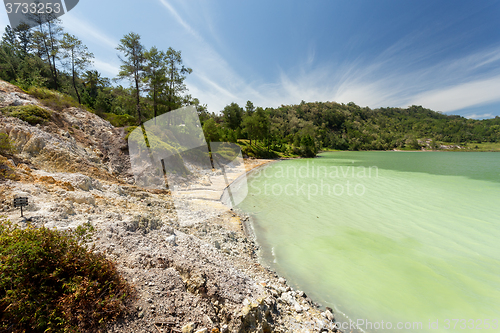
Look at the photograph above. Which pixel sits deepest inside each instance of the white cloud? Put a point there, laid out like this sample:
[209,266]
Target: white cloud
[179,19]
[111,70]
[480,116]
[460,96]
[80,27]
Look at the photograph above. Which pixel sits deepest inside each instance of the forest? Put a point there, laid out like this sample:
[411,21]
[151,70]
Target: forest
[46,58]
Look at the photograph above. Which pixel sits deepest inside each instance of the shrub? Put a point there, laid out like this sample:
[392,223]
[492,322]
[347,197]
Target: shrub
[50,281]
[120,120]
[129,130]
[5,144]
[53,99]
[32,114]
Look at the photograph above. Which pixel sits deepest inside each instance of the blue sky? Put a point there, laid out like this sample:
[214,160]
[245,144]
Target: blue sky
[443,55]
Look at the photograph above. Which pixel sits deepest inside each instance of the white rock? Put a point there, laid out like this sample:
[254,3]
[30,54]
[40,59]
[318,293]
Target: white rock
[287,298]
[81,198]
[171,240]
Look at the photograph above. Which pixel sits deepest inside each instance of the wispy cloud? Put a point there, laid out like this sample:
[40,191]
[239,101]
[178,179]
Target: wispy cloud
[214,82]
[109,69]
[178,18]
[80,27]
[400,75]
[480,116]
[446,86]
[461,96]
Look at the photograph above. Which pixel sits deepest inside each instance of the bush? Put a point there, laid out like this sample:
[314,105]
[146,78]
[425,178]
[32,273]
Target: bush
[53,99]
[51,282]
[30,113]
[5,144]
[120,120]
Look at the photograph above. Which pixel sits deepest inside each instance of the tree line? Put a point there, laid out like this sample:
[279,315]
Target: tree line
[306,128]
[48,57]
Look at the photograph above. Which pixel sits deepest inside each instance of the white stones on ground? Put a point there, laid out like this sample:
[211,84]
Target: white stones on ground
[116,189]
[188,328]
[328,315]
[81,198]
[287,298]
[298,308]
[171,240]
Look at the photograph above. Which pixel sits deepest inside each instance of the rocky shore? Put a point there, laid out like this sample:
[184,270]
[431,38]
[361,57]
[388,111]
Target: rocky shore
[198,273]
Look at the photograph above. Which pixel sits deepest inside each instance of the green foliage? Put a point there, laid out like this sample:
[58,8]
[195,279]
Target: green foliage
[32,114]
[120,120]
[5,144]
[129,130]
[232,116]
[53,99]
[258,150]
[211,131]
[77,58]
[50,281]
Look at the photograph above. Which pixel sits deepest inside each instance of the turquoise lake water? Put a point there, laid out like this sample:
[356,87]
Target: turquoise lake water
[398,237]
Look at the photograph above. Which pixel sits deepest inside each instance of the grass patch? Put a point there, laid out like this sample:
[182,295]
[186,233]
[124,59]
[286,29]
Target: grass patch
[483,146]
[32,114]
[120,120]
[128,130]
[50,281]
[53,99]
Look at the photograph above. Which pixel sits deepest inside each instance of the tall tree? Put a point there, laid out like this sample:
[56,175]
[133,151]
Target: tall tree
[249,107]
[250,126]
[77,58]
[176,74]
[48,40]
[24,36]
[155,75]
[132,67]
[232,115]
[9,58]
[93,80]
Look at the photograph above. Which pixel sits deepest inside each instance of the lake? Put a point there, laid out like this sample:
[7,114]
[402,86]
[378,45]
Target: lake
[386,238]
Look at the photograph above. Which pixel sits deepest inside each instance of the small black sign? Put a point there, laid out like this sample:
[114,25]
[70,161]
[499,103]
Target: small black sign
[20,202]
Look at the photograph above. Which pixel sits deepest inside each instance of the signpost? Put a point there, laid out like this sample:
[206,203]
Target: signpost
[21,202]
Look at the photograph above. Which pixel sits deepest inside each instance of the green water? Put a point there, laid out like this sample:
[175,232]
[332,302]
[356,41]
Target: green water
[386,236]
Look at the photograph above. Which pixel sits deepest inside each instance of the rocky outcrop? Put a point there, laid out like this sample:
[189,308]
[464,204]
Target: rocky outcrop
[74,140]
[201,275]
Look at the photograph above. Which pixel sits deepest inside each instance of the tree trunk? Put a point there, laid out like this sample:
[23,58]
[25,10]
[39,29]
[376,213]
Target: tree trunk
[74,80]
[138,106]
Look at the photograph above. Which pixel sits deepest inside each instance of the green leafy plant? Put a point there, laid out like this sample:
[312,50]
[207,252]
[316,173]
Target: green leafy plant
[53,99]
[50,281]
[121,120]
[32,114]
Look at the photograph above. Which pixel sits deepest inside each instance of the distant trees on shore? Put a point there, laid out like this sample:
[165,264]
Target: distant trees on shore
[306,128]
